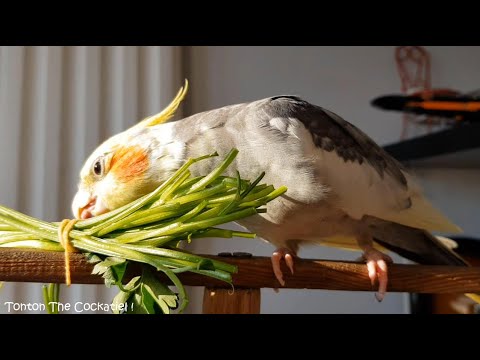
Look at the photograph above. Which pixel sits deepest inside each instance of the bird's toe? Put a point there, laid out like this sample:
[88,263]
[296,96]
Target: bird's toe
[277,257]
[378,270]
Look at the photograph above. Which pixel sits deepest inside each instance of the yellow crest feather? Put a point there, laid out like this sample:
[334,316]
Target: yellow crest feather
[167,113]
[474,297]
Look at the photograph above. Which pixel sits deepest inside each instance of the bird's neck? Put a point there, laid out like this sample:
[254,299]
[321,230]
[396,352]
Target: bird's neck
[199,139]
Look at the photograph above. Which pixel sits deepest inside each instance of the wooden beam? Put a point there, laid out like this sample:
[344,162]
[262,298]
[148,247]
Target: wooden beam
[256,272]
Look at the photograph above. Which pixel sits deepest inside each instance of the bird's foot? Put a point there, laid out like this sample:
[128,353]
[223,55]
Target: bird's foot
[377,269]
[277,256]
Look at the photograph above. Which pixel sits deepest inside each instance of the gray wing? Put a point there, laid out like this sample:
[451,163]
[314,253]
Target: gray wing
[332,133]
[365,179]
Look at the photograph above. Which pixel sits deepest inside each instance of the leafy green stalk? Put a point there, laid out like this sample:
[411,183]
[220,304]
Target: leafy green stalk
[148,230]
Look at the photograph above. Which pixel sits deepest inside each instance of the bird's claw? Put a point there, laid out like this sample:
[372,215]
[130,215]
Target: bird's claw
[377,270]
[277,256]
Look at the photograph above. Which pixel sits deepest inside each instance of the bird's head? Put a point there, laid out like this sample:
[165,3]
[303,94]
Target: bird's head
[129,165]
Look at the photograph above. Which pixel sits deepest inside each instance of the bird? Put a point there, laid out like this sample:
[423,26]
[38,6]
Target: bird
[344,190]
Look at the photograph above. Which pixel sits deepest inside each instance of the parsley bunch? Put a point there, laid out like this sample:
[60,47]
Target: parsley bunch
[149,231]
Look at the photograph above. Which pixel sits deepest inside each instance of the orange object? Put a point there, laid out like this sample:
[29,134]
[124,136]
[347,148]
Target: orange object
[446,105]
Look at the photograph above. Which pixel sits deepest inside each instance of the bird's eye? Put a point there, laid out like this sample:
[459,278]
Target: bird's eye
[98,168]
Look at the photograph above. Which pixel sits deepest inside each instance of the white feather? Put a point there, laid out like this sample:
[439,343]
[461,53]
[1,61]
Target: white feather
[362,191]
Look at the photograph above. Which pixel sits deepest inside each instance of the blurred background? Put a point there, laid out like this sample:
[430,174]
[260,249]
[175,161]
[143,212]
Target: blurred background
[58,103]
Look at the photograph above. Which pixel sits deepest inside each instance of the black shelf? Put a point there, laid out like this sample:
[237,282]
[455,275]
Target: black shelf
[458,146]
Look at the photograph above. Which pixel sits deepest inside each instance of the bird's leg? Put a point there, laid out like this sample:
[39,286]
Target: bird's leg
[277,256]
[376,265]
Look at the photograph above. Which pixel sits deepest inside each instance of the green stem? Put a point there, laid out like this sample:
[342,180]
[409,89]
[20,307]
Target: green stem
[177,227]
[168,192]
[223,233]
[215,173]
[46,299]
[200,195]
[179,255]
[46,245]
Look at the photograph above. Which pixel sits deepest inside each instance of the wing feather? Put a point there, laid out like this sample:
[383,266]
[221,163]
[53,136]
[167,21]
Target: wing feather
[365,178]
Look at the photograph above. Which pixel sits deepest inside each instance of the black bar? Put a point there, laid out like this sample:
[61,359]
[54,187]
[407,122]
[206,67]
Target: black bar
[457,138]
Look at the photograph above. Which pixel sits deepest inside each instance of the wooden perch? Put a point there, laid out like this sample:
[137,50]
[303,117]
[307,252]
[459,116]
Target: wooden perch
[255,272]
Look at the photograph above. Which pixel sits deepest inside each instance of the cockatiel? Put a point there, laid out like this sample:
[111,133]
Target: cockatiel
[343,189]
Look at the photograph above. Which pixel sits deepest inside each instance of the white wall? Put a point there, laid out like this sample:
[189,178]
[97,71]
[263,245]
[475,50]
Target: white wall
[345,80]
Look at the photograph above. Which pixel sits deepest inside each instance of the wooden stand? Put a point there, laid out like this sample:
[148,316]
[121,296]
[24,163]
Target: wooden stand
[253,274]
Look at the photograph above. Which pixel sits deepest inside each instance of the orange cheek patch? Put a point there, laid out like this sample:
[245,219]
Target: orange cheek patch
[129,162]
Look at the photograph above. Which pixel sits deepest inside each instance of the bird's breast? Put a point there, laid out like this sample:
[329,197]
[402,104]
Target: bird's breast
[286,219]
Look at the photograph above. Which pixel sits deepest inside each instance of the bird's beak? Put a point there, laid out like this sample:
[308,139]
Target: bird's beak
[85,205]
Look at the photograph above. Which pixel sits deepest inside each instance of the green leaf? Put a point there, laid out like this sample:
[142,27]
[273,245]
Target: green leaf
[138,307]
[93,258]
[118,270]
[148,299]
[112,270]
[145,295]
[123,297]
[153,289]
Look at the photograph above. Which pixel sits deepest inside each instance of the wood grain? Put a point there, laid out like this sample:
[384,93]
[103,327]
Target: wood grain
[255,272]
[227,301]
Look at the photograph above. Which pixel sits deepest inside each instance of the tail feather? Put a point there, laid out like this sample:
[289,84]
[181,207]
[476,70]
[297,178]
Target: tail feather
[419,246]
[416,245]
[422,215]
